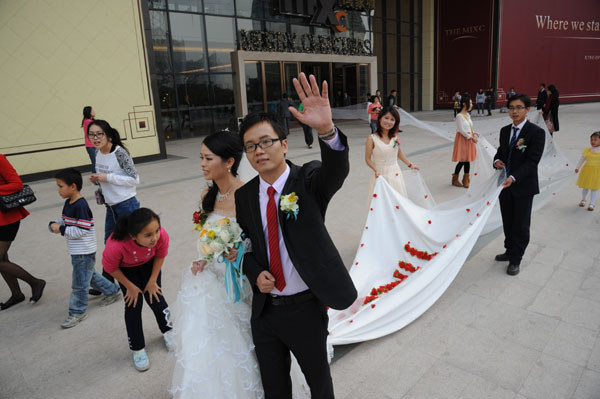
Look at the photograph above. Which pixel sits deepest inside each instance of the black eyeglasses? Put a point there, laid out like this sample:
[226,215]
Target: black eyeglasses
[98,135]
[264,143]
[518,108]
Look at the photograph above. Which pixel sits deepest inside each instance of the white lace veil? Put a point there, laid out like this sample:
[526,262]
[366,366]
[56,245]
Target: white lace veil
[245,171]
[553,168]
[450,229]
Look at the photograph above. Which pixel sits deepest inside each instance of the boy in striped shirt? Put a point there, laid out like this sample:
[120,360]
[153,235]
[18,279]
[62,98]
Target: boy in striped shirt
[77,226]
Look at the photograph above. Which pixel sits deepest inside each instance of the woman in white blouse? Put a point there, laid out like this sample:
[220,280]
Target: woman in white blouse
[115,173]
[465,150]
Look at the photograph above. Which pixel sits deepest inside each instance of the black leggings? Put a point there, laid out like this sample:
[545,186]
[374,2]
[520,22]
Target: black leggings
[139,276]
[459,166]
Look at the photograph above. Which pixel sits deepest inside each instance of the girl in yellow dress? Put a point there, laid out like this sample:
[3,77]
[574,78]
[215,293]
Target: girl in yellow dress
[589,178]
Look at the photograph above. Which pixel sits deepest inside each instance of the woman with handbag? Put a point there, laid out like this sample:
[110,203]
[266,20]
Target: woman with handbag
[550,110]
[10,219]
[116,175]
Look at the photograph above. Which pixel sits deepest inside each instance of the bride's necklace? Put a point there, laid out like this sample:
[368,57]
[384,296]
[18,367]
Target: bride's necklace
[223,197]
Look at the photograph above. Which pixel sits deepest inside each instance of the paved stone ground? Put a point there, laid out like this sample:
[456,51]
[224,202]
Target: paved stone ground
[489,336]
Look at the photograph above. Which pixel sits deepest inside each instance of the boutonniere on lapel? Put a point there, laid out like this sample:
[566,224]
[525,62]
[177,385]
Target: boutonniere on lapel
[289,205]
[521,144]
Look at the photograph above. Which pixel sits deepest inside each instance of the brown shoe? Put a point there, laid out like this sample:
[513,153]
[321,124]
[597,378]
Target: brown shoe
[466,180]
[455,181]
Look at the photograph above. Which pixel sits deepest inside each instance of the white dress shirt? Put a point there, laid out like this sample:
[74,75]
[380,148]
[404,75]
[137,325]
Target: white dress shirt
[512,131]
[293,282]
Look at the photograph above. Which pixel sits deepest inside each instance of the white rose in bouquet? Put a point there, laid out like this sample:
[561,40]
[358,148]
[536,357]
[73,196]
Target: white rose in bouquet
[217,237]
[225,236]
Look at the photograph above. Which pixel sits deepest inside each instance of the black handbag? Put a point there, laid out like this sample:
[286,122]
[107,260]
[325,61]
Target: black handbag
[16,200]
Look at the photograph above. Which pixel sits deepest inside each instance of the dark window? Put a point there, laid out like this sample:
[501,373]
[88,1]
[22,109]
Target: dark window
[249,8]
[188,43]
[186,5]
[221,7]
[220,35]
[194,103]
[254,91]
[168,106]
[223,110]
[156,4]
[160,41]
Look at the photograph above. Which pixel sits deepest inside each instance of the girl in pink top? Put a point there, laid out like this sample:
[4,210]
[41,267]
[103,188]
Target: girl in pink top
[134,255]
[88,117]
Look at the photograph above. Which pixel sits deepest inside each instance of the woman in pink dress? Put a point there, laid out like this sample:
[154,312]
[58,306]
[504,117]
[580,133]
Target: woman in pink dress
[465,150]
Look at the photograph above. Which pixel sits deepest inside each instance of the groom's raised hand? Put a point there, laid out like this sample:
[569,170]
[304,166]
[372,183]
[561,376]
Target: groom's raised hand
[317,111]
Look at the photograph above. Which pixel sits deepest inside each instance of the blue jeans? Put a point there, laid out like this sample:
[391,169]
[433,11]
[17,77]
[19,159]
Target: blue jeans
[114,212]
[84,276]
[373,126]
[92,153]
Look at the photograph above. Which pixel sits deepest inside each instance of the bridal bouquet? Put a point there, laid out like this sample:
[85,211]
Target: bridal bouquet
[215,241]
[218,237]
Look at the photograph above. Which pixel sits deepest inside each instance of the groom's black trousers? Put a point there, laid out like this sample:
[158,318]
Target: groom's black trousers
[301,328]
[516,221]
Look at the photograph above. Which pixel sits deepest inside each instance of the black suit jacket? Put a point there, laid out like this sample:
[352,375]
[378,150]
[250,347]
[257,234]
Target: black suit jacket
[311,250]
[542,97]
[524,164]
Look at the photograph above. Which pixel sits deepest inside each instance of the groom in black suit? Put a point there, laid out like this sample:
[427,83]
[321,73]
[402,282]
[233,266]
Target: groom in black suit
[294,268]
[520,151]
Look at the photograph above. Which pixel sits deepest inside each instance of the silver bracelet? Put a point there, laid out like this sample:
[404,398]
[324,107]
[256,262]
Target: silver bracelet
[328,134]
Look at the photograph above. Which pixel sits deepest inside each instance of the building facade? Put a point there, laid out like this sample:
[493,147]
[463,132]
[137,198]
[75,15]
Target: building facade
[217,60]
[161,70]
[506,44]
[55,59]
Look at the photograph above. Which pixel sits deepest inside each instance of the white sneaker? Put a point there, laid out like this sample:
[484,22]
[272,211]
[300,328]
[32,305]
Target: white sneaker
[168,340]
[73,320]
[112,298]
[140,360]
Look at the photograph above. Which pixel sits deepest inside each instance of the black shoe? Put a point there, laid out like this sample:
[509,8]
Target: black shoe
[38,291]
[94,292]
[512,269]
[502,257]
[13,300]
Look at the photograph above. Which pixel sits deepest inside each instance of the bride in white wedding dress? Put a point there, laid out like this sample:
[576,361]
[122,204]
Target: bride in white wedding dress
[211,332]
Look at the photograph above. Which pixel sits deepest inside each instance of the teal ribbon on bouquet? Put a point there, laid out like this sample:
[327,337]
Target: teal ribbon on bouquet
[234,276]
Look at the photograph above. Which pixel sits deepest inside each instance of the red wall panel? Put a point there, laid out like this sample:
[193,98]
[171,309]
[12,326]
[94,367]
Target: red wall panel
[464,48]
[551,41]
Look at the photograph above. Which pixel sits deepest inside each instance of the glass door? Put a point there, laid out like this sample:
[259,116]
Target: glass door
[254,87]
[290,70]
[272,85]
[350,84]
[363,88]
[337,85]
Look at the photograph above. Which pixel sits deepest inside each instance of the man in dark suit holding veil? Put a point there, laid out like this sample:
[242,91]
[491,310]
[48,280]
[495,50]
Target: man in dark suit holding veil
[520,151]
[294,268]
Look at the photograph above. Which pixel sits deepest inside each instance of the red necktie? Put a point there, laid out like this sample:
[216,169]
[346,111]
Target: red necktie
[273,232]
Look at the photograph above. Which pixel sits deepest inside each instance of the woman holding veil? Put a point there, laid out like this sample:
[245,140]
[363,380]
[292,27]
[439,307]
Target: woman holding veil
[383,149]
